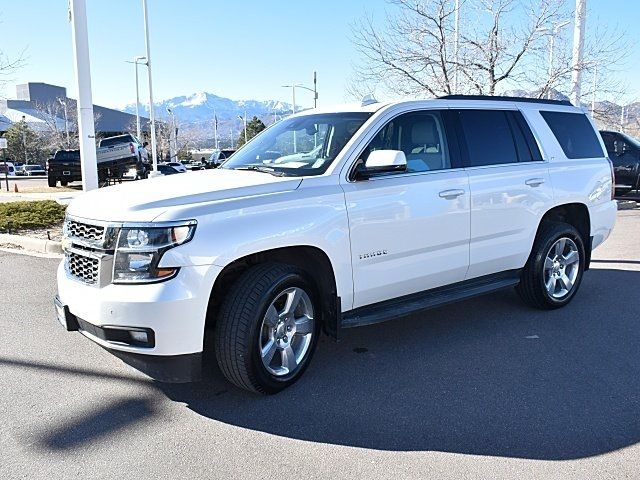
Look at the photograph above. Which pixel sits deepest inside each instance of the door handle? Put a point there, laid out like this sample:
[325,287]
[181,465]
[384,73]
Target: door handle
[534,182]
[451,194]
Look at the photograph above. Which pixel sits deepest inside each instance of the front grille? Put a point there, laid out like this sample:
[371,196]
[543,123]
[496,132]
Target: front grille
[85,231]
[85,269]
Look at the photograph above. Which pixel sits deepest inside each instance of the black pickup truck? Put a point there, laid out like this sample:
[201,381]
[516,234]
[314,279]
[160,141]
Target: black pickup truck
[64,167]
[624,152]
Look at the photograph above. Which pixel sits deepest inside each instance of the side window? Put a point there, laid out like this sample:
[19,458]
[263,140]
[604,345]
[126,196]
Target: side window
[608,140]
[420,135]
[489,138]
[574,134]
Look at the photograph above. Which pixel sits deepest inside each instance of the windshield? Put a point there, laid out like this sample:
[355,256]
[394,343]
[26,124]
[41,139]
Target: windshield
[299,146]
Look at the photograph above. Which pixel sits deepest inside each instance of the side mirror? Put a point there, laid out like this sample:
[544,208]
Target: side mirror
[382,161]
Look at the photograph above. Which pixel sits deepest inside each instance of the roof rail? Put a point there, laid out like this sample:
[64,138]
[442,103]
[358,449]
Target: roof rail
[507,99]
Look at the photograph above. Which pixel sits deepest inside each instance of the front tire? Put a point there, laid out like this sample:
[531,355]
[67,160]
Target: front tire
[553,273]
[267,329]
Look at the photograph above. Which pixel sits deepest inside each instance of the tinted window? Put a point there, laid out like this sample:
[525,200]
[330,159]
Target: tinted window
[608,139]
[420,135]
[574,134]
[107,142]
[488,136]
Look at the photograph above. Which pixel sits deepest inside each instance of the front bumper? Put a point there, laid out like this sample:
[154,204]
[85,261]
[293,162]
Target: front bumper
[173,311]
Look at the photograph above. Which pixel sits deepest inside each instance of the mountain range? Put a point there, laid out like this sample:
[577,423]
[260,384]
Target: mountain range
[200,108]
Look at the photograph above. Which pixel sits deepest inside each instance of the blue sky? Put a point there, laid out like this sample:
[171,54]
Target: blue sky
[237,49]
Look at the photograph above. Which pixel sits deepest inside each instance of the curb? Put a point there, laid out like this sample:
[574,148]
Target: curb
[33,244]
[627,204]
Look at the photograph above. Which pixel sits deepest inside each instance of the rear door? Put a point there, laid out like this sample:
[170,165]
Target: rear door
[510,187]
[409,230]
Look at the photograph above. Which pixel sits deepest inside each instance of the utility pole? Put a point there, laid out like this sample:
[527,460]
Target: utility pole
[86,129]
[152,116]
[578,48]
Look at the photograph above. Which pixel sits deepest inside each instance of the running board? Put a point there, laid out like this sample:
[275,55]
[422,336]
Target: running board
[417,302]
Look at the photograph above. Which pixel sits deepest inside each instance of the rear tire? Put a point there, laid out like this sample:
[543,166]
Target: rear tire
[64,183]
[553,273]
[261,344]
[51,181]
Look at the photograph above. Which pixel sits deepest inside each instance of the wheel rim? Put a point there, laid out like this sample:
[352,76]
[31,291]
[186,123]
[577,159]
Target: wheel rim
[561,267]
[286,332]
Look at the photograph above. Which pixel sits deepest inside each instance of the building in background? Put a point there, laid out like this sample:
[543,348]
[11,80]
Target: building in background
[40,104]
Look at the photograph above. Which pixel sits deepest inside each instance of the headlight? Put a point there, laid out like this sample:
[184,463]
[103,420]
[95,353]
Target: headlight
[139,250]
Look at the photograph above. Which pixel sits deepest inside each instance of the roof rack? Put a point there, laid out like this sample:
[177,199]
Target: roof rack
[507,99]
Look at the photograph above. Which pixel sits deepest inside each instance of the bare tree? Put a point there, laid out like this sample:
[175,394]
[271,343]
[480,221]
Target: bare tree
[503,46]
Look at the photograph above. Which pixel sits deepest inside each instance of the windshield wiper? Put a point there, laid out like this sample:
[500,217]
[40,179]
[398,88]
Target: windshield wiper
[257,168]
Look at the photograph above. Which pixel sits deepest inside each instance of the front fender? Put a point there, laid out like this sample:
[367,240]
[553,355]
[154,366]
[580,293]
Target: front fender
[314,216]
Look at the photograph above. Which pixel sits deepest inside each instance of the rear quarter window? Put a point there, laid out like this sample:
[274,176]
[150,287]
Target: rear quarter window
[574,133]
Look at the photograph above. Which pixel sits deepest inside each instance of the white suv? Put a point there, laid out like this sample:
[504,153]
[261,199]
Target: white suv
[393,208]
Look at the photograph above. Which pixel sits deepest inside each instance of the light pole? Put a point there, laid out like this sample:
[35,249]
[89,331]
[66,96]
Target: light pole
[66,121]
[595,87]
[456,45]
[86,128]
[244,120]
[173,140]
[553,31]
[152,116]
[137,61]
[578,48]
[24,139]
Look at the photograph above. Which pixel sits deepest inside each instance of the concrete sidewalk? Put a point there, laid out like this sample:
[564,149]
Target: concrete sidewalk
[61,197]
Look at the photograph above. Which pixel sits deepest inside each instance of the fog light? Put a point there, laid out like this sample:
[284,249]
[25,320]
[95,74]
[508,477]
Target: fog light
[140,337]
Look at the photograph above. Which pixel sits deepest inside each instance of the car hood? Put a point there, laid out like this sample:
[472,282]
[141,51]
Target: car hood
[145,200]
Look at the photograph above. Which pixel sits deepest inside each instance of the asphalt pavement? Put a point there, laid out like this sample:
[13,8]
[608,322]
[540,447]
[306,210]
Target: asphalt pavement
[487,388]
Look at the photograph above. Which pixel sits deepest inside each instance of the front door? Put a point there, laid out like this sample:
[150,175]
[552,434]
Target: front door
[409,230]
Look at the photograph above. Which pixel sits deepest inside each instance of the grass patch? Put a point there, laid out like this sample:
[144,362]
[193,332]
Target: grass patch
[30,215]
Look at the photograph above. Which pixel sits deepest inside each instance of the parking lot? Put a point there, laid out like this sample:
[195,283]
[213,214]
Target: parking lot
[487,388]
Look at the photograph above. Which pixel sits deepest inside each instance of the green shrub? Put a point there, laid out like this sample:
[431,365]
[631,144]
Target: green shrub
[30,215]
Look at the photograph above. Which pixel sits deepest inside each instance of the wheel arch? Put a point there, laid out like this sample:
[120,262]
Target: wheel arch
[576,215]
[313,260]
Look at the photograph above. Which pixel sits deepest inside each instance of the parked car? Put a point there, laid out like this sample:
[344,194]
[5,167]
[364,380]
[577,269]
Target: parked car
[7,169]
[407,206]
[624,152]
[168,169]
[115,156]
[32,170]
[179,166]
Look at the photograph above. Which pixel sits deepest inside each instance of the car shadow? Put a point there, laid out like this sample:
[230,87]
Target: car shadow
[488,376]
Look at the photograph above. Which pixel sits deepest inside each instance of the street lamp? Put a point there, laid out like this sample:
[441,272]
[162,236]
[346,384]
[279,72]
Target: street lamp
[244,120]
[552,32]
[152,116]
[137,61]
[173,141]
[24,138]
[66,122]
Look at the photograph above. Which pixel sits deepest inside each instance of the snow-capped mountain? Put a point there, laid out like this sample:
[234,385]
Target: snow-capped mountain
[200,107]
